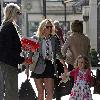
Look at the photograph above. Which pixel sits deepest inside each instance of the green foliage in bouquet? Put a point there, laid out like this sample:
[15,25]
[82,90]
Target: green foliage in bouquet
[94,57]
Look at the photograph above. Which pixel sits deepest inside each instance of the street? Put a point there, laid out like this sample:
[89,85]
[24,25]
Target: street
[22,77]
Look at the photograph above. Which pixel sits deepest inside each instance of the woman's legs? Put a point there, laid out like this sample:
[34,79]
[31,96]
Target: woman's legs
[45,83]
[49,86]
[40,88]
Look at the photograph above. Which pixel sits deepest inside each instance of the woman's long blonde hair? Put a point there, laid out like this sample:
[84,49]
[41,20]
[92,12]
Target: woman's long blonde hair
[10,12]
[42,26]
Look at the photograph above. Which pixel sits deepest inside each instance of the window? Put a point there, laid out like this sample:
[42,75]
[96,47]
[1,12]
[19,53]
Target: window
[32,28]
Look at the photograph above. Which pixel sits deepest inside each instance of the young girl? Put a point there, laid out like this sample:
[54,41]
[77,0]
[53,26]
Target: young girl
[82,79]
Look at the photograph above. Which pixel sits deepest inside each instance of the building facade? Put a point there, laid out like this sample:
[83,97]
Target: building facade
[85,10]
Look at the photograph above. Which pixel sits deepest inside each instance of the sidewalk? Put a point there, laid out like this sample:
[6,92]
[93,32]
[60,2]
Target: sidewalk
[22,77]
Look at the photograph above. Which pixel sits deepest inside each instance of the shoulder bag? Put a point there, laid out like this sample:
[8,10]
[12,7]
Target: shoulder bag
[34,60]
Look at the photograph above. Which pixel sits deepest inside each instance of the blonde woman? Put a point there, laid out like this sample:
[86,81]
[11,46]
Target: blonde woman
[45,68]
[10,49]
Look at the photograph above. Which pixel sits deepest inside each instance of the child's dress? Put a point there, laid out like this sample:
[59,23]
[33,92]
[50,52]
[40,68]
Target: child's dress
[81,89]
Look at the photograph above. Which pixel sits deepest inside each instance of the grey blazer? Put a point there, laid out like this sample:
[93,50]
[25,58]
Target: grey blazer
[77,43]
[56,49]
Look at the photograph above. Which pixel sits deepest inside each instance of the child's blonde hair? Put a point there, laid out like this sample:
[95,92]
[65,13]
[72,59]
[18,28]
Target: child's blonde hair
[87,62]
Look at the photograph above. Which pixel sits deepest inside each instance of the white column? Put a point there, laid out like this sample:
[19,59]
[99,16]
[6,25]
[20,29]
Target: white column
[24,23]
[85,14]
[84,27]
[93,23]
[1,10]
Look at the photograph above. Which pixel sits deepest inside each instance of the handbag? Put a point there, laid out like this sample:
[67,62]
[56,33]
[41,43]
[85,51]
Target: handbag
[34,60]
[40,65]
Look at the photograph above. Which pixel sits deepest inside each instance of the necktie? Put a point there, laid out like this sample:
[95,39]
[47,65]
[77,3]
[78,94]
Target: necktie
[47,48]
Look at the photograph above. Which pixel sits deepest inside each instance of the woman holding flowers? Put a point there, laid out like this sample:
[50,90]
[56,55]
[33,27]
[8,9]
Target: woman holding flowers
[45,68]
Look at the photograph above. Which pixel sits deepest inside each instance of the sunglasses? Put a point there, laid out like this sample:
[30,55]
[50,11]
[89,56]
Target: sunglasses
[48,27]
[19,13]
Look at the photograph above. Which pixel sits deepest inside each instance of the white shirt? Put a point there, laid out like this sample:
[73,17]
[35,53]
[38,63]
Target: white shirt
[44,49]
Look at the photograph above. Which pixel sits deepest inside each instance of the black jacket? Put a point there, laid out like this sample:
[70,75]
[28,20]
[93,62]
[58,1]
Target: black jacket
[10,45]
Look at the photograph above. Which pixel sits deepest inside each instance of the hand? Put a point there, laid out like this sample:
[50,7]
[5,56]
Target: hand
[63,76]
[27,70]
[24,63]
[65,69]
[28,60]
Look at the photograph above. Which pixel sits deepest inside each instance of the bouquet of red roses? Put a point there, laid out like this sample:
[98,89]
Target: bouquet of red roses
[29,46]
